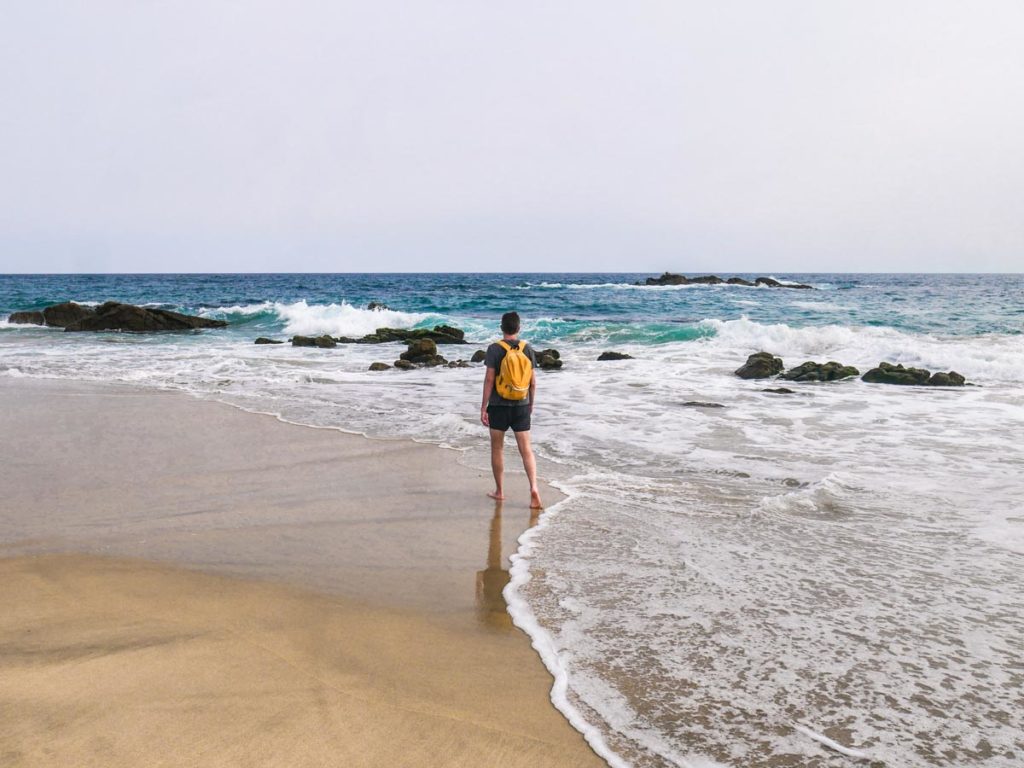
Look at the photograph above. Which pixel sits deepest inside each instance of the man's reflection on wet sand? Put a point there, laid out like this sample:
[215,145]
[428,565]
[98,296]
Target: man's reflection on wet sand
[492,610]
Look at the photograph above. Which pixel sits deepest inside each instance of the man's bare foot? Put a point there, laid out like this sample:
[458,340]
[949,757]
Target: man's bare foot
[497,495]
[535,502]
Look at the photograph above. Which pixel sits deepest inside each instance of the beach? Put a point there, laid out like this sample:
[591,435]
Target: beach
[185,583]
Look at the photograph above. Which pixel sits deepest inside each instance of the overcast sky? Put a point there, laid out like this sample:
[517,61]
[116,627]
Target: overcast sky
[480,136]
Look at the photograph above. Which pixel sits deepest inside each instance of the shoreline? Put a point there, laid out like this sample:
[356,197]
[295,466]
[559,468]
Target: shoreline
[369,569]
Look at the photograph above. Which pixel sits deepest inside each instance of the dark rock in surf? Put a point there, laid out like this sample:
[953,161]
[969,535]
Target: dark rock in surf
[947,379]
[670,278]
[379,366]
[887,373]
[404,365]
[440,334]
[779,391]
[699,404]
[812,371]
[478,357]
[68,313]
[420,351]
[265,340]
[27,318]
[549,359]
[614,356]
[378,306]
[115,316]
[323,342]
[760,365]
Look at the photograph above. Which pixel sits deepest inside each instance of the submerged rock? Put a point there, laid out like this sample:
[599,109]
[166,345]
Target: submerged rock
[779,391]
[115,316]
[478,357]
[699,404]
[265,340]
[947,379]
[760,365]
[379,366]
[378,306]
[404,365]
[614,356]
[812,371]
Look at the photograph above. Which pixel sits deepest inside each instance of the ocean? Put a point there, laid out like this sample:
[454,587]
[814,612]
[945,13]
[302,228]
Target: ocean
[738,577]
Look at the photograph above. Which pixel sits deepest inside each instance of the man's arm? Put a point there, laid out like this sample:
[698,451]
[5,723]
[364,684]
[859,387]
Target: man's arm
[488,388]
[533,389]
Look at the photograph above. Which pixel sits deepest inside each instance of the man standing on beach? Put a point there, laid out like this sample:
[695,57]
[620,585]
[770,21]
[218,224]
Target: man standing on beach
[510,387]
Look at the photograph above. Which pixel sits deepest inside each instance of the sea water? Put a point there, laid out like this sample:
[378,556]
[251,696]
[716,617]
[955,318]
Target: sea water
[738,577]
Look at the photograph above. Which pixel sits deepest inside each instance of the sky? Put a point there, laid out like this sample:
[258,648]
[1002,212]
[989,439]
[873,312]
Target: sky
[180,136]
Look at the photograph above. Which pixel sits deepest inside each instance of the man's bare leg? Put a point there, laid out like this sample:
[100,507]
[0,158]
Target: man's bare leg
[530,465]
[497,463]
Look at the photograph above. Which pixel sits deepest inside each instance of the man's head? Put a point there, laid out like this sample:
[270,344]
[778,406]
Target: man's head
[510,323]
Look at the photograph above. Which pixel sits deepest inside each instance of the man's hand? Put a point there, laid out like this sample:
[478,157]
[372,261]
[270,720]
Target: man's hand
[484,418]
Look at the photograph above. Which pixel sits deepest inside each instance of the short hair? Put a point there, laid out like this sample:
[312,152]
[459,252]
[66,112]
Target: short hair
[510,323]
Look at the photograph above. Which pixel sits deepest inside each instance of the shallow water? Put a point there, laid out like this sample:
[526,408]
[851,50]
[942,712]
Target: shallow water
[810,579]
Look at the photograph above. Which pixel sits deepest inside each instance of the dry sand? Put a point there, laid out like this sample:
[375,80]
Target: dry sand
[188,584]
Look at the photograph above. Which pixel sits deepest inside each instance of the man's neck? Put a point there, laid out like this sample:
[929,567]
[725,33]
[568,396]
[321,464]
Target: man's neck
[513,337]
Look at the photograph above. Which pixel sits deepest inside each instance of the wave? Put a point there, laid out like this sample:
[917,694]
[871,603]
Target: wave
[307,319]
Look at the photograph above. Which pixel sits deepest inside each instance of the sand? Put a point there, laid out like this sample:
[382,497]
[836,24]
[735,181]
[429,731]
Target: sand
[184,583]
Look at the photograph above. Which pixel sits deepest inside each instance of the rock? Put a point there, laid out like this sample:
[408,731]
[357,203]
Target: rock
[950,379]
[760,365]
[780,391]
[377,306]
[68,313]
[27,318]
[379,366]
[698,404]
[548,359]
[404,365]
[811,371]
[420,351]
[478,357]
[670,278]
[265,340]
[770,283]
[324,342]
[115,316]
[447,330]
[441,334]
[462,364]
[887,373]
[614,356]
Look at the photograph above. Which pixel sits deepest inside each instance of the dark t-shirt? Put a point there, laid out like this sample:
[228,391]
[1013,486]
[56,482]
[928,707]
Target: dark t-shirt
[495,354]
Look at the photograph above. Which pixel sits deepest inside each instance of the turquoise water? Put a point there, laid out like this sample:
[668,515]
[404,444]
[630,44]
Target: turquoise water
[796,580]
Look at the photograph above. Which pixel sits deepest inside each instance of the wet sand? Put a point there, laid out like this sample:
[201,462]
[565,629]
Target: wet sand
[187,584]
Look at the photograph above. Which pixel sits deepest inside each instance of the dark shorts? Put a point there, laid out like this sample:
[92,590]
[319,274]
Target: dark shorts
[503,417]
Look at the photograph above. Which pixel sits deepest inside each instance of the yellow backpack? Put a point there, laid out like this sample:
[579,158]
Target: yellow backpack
[515,374]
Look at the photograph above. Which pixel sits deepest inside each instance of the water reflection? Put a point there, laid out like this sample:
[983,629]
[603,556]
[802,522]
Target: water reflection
[492,610]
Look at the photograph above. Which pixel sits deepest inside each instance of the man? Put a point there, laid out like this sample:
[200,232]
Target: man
[499,413]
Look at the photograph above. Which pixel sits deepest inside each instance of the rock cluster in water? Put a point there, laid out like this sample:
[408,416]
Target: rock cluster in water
[614,356]
[887,373]
[670,278]
[763,365]
[113,316]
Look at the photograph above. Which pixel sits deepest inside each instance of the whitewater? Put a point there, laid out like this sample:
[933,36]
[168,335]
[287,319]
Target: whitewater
[737,577]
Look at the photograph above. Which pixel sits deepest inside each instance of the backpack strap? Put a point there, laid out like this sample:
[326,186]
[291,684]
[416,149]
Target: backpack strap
[520,345]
